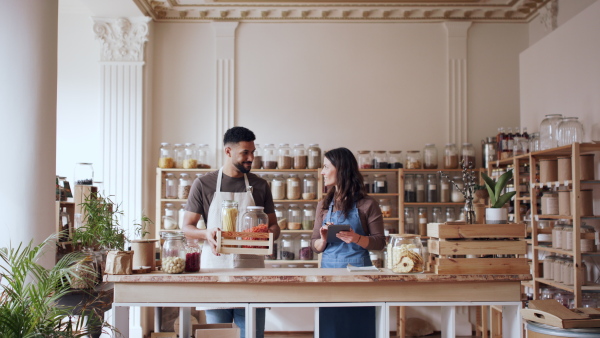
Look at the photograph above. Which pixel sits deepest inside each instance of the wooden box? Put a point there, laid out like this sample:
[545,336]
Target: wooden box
[475,266]
[457,230]
[551,312]
[248,243]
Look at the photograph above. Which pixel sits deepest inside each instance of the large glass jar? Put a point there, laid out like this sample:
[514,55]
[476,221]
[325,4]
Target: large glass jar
[410,193]
[294,187]
[569,131]
[423,221]
[558,269]
[314,156]
[278,185]
[300,156]
[84,174]
[430,156]
[269,156]
[557,236]
[380,159]
[287,252]
[169,219]
[166,158]
[281,214]
[192,255]
[254,220]
[450,214]
[413,159]
[203,156]
[181,215]
[432,188]
[438,216]
[420,188]
[284,156]
[407,254]
[450,156]
[567,237]
[170,186]
[365,160]
[294,217]
[587,241]
[173,253]
[467,155]
[308,217]
[386,207]
[409,221]
[183,190]
[229,215]
[258,158]
[457,196]
[189,158]
[548,267]
[380,184]
[309,187]
[305,252]
[395,159]
[445,189]
[548,127]
[179,151]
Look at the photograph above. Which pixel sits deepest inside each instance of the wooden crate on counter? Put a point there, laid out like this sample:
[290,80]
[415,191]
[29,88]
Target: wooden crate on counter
[248,243]
[449,243]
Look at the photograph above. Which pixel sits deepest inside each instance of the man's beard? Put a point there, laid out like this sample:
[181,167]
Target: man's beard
[241,168]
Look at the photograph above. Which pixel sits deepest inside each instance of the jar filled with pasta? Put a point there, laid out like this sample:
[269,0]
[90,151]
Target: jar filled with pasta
[189,158]
[166,158]
[229,215]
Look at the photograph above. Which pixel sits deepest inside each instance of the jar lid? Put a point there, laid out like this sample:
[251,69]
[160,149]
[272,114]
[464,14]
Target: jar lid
[450,144]
[292,266]
[298,145]
[293,205]
[413,151]
[203,145]
[178,144]
[284,145]
[395,151]
[379,151]
[173,235]
[269,145]
[430,145]
[313,145]
[364,151]
[253,207]
[276,265]
[308,175]
[169,205]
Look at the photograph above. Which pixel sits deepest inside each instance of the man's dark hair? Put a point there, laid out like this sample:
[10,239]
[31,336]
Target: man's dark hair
[238,134]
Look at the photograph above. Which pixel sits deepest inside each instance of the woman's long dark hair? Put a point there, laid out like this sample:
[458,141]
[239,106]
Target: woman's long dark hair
[349,180]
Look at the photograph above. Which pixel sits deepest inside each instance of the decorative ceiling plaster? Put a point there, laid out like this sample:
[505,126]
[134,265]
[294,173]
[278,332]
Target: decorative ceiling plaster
[342,10]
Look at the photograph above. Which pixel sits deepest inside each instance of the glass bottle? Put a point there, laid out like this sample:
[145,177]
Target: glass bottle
[548,129]
[457,196]
[380,184]
[300,156]
[365,161]
[284,156]
[203,156]
[438,216]
[569,131]
[430,156]
[189,158]
[269,156]
[432,188]
[450,156]
[395,159]
[534,142]
[413,159]
[278,187]
[254,220]
[309,187]
[305,252]
[166,158]
[410,194]
[258,158]
[508,152]
[173,253]
[281,214]
[229,215]
[170,186]
[444,189]
[287,248]
[181,215]
[423,221]
[308,217]
[380,159]
[314,156]
[420,187]
[179,151]
[84,173]
[192,255]
[407,254]
[450,215]
[294,189]
[467,155]
[294,217]
[409,221]
[183,190]
[386,207]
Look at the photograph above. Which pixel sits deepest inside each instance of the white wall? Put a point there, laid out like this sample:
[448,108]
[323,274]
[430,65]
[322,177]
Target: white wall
[541,25]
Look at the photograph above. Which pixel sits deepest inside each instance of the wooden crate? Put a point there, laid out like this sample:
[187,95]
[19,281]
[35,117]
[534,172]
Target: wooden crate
[550,312]
[446,247]
[474,266]
[457,230]
[248,243]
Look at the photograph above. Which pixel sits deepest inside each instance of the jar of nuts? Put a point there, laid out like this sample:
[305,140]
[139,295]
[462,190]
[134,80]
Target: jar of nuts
[173,253]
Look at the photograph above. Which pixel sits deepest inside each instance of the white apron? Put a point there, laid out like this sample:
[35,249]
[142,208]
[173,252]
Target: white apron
[244,199]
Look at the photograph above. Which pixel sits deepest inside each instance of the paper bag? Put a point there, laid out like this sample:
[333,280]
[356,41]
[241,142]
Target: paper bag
[119,263]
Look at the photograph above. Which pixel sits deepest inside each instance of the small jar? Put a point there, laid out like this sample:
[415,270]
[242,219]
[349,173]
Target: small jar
[281,214]
[410,193]
[567,237]
[420,188]
[413,159]
[445,189]
[395,159]
[309,187]
[269,156]
[557,270]
[450,215]
[166,158]
[365,160]
[467,155]
[380,184]
[376,258]
[179,151]
[567,272]
[314,156]
[278,185]
[549,203]
[386,207]
[587,241]
[430,156]
[557,236]
[305,252]
[192,256]
[203,156]
[294,217]
[258,158]
[294,189]
[423,221]
[308,217]
[183,190]
[229,215]
[173,253]
[432,188]
[407,254]
[450,156]
[181,215]
[546,293]
[300,156]
[549,267]
[457,196]
[544,226]
[287,248]
[254,220]
[284,156]
[84,174]
[189,158]
[409,221]
[380,159]
[437,215]
[169,218]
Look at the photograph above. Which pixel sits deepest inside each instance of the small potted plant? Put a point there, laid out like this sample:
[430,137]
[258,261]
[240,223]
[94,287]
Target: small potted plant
[143,249]
[496,213]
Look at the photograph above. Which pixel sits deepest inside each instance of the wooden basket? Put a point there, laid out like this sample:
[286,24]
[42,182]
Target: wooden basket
[247,243]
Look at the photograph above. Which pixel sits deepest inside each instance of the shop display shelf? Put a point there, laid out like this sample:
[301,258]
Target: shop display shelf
[296,231]
[553,250]
[592,287]
[561,286]
[383,195]
[538,217]
[176,200]
[296,201]
[408,204]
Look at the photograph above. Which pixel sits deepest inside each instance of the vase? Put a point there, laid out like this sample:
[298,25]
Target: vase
[496,216]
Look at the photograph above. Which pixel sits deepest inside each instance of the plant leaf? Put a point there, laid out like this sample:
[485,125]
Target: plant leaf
[503,199]
[502,181]
[490,185]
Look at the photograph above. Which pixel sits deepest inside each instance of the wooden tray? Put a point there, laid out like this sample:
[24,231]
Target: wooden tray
[231,242]
[446,247]
[456,230]
[468,266]
[551,312]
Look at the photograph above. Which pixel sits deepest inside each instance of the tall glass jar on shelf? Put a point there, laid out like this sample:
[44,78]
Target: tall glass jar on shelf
[413,159]
[269,156]
[367,183]
[284,156]
[166,157]
[450,214]
[548,128]
[457,196]
[294,187]
[258,157]
[380,185]
[386,207]
[380,159]
[395,159]
[309,187]
[169,219]
[189,158]
[294,217]
[409,220]
[183,190]
[410,193]
[173,253]
[423,220]
[287,252]
[467,155]
[305,252]
[437,215]
[308,217]
[203,156]
[278,186]
[300,156]
[430,156]
[569,131]
[281,214]
[450,156]
[432,188]
[314,156]
[179,150]
[365,160]
[170,186]
[445,189]
[420,188]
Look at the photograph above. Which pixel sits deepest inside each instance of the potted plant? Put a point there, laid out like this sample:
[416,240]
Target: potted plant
[143,249]
[496,213]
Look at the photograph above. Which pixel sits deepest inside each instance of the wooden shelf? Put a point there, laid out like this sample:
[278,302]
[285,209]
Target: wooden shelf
[556,284]
[553,217]
[523,198]
[287,231]
[408,204]
[295,201]
[593,287]
[383,195]
[553,250]
[434,170]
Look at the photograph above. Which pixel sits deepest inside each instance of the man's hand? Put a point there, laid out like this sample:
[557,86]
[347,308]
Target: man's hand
[211,238]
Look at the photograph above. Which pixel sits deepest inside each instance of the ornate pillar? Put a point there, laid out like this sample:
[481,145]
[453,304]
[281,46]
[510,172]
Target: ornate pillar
[457,81]
[225,54]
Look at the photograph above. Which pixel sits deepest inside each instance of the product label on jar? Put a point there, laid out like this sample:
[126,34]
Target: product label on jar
[420,187]
[386,208]
[287,244]
[310,183]
[304,243]
[422,220]
[295,184]
[295,213]
[380,184]
[170,183]
[278,213]
[277,183]
[409,220]
[409,187]
[432,186]
[308,213]
[445,186]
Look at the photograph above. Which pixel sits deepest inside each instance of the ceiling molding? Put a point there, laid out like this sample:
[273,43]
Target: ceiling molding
[341,10]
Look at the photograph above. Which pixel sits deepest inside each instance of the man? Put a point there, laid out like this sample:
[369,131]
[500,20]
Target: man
[232,182]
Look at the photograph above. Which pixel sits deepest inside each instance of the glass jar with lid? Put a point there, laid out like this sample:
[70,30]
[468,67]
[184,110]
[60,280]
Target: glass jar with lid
[557,236]
[450,156]
[365,160]
[278,185]
[173,253]
[423,221]
[294,187]
[366,183]
[192,255]
[420,188]
[380,159]
[170,186]
[181,215]
[300,156]
[413,159]
[407,254]
[380,184]
[281,214]
[305,252]
[309,187]
[548,128]
[567,272]
[467,155]
[314,156]
[437,215]
[430,156]
[376,258]
[166,158]
[287,252]
[409,221]
[567,237]
[557,270]
[457,196]
[410,194]
[183,189]
[169,218]
[203,156]
[179,151]
[432,188]
[308,217]
[450,214]
[269,156]
[386,207]
[395,159]
[254,220]
[548,267]
[294,217]
[444,189]
[284,156]
[546,293]
[84,174]
[588,241]
[229,215]
[189,158]
[258,157]
[534,142]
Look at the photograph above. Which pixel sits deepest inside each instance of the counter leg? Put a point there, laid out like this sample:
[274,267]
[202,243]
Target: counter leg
[381,321]
[250,321]
[120,321]
[157,318]
[316,335]
[511,321]
[448,322]
[184,322]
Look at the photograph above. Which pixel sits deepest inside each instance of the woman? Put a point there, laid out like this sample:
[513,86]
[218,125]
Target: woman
[347,203]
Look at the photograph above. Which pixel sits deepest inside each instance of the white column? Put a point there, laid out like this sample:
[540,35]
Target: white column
[225,55]
[28,36]
[457,80]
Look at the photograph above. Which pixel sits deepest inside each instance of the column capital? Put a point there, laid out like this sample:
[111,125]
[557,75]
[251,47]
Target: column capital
[122,38]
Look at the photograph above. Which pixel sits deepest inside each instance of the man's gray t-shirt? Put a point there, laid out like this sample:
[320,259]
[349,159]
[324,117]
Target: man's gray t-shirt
[203,190]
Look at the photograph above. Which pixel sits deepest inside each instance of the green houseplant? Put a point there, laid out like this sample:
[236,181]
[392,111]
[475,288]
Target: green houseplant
[143,249]
[496,213]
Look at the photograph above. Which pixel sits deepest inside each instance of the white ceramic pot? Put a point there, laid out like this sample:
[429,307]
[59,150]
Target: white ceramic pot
[496,216]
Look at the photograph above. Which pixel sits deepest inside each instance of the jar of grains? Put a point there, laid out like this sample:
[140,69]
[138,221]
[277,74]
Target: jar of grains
[294,190]
[281,214]
[183,190]
[169,219]
[308,217]
[457,195]
[432,188]
[380,184]
[269,156]
[444,189]
[380,159]
[287,248]
[278,185]
[450,156]
[309,187]
[284,156]
[468,155]
[305,252]
[430,156]
[567,237]
[189,160]
[407,254]
[258,158]
[395,159]
[300,156]
[420,188]
[557,236]
[166,157]
[203,155]
[294,217]
[413,159]
[314,156]
[410,194]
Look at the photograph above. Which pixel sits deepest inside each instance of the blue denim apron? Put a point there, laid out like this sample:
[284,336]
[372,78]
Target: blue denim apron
[346,322]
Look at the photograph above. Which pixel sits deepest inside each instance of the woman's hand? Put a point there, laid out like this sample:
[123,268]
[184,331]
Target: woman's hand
[348,236]
[323,231]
